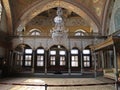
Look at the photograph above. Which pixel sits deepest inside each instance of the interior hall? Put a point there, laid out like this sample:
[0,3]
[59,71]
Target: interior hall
[59,44]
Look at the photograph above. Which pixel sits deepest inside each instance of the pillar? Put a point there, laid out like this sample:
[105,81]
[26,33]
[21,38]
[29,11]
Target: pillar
[116,68]
[33,64]
[69,66]
[95,65]
[102,57]
[81,55]
[45,62]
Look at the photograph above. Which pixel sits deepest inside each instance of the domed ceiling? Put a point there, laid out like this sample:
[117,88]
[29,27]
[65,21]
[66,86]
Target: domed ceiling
[78,14]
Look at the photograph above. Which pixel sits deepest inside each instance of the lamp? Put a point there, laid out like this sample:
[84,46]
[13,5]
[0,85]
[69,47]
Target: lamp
[59,31]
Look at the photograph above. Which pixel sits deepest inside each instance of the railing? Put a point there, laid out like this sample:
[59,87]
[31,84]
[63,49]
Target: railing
[70,35]
[47,85]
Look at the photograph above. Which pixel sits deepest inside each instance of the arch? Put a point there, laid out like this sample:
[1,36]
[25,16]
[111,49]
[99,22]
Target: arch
[80,32]
[88,46]
[57,59]
[8,15]
[35,31]
[19,47]
[57,46]
[75,48]
[35,10]
[40,47]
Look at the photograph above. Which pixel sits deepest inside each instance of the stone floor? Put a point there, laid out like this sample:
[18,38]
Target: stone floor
[55,81]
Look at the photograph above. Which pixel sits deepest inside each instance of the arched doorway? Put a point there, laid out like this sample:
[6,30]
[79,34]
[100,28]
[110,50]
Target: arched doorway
[57,59]
[23,58]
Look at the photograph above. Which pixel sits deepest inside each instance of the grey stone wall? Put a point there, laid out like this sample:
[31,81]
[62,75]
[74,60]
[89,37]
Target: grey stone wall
[46,43]
[115,18]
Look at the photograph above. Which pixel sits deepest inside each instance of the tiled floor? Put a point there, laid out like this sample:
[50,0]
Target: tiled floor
[55,81]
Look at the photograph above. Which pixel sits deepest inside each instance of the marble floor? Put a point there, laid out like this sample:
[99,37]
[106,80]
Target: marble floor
[55,81]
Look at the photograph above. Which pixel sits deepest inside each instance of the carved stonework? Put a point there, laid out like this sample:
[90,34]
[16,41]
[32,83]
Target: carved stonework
[75,21]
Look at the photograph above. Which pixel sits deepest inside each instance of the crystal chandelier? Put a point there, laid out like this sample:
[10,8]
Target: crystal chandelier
[59,31]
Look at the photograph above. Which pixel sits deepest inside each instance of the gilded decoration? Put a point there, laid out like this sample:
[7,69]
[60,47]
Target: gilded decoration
[23,11]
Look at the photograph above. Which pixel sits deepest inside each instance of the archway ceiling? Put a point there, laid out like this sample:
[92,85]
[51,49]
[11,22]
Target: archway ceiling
[95,9]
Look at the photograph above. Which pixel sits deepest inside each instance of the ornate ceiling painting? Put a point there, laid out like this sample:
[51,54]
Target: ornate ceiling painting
[81,14]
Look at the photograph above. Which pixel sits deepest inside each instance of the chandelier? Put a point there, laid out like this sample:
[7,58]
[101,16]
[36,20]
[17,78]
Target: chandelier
[59,31]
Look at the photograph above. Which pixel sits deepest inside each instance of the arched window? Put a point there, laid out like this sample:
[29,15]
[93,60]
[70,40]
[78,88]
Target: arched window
[52,57]
[24,55]
[57,59]
[35,32]
[86,58]
[40,59]
[75,57]
[80,32]
[28,57]
[19,55]
[27,62]
[57,55]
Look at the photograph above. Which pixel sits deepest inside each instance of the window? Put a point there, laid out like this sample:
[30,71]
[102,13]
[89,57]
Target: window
[52,60]
[19,59]
[86,61]
[52,57]
[28,60]
[80,32]
[40,51]
[28,57]
[62,54]
[40,60]
[40,57]
[74,51]
[28,51]
[35,32]
[53,52]
[86,58]
[62,61]
[74,61]
[58,56]
[86,51]
[74,57]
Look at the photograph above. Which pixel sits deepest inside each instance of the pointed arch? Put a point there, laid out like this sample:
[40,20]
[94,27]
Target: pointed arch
[9,15]
[46,5]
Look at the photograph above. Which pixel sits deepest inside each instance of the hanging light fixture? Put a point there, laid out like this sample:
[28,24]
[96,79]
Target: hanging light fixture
[59,31]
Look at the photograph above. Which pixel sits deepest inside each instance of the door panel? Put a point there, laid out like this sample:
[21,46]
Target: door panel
[57,62]
[39,60]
